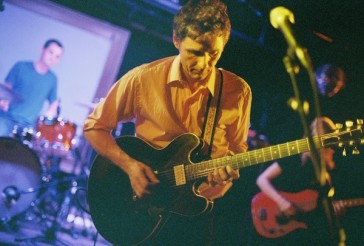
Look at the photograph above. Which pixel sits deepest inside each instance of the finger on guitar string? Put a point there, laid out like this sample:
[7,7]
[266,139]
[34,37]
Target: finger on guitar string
[221,176]
[233,173]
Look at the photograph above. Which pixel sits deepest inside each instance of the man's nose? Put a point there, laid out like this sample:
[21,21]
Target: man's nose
[204,61]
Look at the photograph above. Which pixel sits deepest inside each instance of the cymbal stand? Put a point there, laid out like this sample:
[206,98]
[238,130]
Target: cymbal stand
[47,209]
[47,206]
[71,215]
[58,206]
[74,218]
[11,194]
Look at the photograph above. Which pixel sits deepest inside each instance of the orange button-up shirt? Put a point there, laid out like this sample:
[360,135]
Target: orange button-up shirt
[163,106]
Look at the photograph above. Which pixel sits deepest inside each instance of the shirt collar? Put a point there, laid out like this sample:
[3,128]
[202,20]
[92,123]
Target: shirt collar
[175,74]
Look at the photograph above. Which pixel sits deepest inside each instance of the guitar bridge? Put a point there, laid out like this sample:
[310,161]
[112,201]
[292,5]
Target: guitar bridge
[179,174]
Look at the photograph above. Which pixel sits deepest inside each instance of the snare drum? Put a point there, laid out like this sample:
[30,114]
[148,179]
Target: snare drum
[54,135]
[20,177]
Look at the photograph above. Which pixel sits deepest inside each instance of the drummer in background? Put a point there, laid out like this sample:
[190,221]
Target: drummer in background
[32,84]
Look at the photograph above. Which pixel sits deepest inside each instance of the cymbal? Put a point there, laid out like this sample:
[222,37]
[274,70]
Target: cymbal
[9,94]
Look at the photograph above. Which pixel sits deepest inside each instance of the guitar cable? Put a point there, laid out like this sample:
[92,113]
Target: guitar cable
[78,199]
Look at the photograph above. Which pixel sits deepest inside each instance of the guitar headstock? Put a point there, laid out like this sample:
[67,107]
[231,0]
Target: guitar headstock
[350,136]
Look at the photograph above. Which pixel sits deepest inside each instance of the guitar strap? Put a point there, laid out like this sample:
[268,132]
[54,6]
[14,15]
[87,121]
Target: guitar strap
[213,105]
[208,131]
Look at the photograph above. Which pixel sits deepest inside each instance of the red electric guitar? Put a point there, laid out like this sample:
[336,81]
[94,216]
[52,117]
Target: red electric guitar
[269,221]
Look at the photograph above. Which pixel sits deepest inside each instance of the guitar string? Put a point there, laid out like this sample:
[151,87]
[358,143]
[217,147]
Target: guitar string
[256,155]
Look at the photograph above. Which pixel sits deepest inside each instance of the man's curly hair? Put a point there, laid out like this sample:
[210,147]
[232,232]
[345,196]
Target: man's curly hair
[199,17]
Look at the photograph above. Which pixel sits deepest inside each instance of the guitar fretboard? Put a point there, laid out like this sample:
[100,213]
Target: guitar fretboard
[352,202]
[253,157]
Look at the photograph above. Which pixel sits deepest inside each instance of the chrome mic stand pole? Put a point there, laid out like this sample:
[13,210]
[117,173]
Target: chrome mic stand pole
[281,18]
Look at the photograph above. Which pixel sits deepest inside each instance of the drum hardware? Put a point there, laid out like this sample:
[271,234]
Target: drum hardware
[54,208]
[20,169]
[74,217]
[34,189]
[50,167]
[23,134]
[11,194]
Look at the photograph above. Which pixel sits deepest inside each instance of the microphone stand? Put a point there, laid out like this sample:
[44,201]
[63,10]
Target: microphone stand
[319,165]
[292,69]
[51,225]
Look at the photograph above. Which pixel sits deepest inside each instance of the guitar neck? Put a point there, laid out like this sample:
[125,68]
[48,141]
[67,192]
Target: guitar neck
[254,157]
[351,202]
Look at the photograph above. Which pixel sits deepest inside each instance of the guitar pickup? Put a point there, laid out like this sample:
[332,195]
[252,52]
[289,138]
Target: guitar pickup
[179,175]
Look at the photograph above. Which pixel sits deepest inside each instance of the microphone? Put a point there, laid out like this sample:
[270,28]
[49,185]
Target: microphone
[281,18]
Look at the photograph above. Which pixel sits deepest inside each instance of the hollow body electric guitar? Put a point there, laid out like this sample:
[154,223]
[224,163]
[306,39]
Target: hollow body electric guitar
[269,221]
[122,219]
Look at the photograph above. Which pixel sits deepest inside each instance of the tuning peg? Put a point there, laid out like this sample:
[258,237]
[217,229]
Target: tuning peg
[339,126]
[344,152]
[356,151]
[359,122]
[349,124]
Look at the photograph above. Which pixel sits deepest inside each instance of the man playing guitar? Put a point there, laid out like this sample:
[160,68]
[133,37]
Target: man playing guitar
[168,98]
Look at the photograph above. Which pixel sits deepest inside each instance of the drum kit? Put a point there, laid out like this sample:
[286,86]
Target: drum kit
[43,176]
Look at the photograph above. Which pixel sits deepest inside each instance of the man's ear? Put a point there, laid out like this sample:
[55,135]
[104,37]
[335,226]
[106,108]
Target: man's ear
[176,42]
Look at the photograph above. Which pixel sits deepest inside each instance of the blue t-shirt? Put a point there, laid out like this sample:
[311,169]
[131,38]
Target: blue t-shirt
[34,88]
